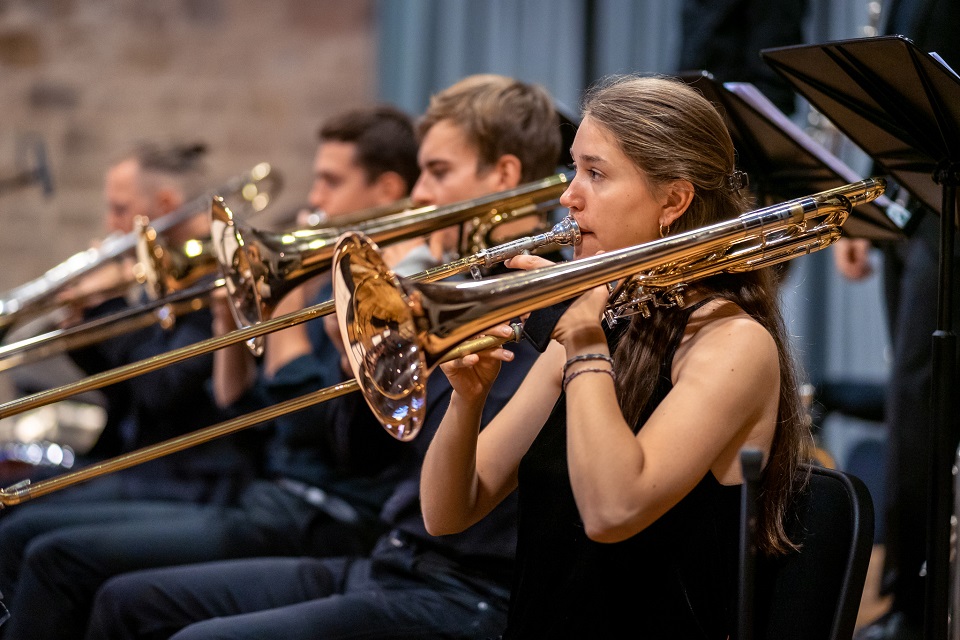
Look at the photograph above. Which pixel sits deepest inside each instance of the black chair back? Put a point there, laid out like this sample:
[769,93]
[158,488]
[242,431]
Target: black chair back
[815,593]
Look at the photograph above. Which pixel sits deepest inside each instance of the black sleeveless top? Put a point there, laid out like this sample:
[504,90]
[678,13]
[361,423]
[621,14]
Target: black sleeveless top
[675,579]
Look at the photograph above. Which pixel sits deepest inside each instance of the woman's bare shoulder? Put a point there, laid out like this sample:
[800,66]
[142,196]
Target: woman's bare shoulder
[721,332]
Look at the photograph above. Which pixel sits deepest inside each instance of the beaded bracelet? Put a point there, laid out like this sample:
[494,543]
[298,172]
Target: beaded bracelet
[584,357]
[568,378]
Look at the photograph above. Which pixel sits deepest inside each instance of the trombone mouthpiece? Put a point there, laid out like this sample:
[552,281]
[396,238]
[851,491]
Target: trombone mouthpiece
[565,232]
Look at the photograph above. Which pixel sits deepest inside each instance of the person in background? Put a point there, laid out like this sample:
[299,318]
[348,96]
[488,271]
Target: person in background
[152,181]
[147,181]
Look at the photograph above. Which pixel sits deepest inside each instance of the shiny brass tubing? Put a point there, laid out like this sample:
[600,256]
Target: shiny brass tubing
[25,490]
[564,232]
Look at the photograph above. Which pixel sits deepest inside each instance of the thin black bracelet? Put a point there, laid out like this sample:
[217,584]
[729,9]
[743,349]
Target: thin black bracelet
[567,379]
[584,357]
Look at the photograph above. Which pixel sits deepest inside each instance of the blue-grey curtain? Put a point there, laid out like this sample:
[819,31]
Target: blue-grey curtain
[838,327]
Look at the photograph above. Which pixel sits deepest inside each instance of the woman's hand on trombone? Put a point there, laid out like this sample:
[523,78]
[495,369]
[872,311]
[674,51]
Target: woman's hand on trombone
[579,326]
[472,375]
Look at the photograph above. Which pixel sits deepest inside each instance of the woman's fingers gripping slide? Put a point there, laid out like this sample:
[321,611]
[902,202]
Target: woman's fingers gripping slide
[473,373]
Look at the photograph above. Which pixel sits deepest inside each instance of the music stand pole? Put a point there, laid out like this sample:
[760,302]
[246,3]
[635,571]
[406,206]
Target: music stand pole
[944,349]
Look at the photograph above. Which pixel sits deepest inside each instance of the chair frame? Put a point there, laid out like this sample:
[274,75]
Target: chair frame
[800,610]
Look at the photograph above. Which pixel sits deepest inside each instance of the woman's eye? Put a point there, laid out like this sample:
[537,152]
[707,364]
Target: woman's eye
[592,174]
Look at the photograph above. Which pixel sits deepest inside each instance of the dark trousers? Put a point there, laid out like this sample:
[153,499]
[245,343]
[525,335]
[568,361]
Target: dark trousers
[911,279]
[54,557]
[399,592]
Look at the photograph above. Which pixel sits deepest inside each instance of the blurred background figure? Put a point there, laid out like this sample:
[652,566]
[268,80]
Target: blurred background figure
[151,181]
[147,182]
[725,37]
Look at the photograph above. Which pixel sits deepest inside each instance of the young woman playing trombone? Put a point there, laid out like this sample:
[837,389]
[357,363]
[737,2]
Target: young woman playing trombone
[624,441]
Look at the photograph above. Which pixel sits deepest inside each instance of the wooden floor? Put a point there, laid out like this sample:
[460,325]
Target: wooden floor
[873,605]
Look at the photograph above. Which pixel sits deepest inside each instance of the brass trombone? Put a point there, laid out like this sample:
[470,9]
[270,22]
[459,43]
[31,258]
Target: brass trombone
[178,280]
[397,330]
[564,232]
[281,260]
[255,189]
[261,267]
[523,200]
[167,270]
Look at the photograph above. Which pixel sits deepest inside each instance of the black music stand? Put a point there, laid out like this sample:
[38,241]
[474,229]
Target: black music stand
[783,162]
[902,106]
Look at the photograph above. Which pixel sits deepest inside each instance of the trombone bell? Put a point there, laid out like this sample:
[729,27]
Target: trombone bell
[384,327]
[164,270]
[244,284]
[372,310]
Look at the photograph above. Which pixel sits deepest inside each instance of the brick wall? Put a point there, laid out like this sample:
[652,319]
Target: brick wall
[86,78]
[250,78]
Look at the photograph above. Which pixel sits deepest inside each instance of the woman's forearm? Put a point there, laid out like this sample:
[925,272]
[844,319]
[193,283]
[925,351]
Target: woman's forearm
[449,482]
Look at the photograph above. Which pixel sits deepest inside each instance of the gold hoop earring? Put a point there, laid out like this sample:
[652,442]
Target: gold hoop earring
[664,231]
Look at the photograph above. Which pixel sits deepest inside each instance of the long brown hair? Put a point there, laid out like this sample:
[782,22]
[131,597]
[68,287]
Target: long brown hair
[670,132]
